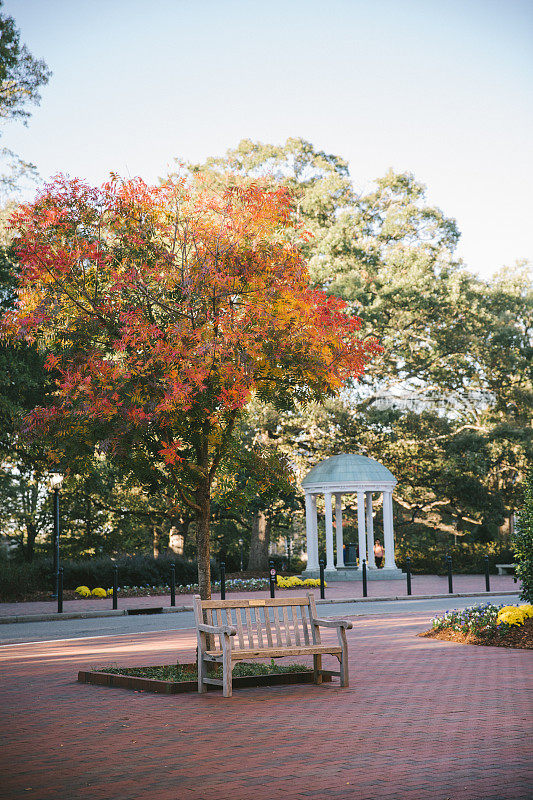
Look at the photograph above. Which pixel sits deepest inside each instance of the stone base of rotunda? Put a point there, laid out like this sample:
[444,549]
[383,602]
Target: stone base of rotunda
[355,574]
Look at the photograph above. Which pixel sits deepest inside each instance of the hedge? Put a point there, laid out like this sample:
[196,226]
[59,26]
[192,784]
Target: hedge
[20,580]
[468,558]
[523,542]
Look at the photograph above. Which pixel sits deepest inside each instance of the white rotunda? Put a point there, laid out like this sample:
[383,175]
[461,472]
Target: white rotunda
[349,474]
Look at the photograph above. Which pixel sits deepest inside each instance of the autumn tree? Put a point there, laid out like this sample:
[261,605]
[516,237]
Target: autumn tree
[164,310]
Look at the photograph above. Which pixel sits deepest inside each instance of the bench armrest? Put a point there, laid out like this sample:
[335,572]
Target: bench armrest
[333,623]
[218,629]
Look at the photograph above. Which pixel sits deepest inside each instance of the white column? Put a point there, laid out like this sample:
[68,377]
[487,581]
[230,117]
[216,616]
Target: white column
[338,525]
[370,530]
[361,527]
[388,531]
[330,562]
[311,531]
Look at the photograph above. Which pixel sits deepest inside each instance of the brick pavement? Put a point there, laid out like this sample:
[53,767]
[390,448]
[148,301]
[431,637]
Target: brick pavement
[421,585]
[422,720]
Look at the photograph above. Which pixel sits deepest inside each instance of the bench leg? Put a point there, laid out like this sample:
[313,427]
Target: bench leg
[343,658]
[317,666]
[202,687]
[227,673]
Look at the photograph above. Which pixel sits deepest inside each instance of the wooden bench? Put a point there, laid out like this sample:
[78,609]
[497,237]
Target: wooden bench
[229,631]
[505,569]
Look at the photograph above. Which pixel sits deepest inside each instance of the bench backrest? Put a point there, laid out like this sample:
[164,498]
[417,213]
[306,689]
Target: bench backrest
[263,623]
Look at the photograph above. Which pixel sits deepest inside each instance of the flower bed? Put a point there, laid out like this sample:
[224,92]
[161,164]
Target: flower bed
[177,678]
[232,585]
[295,583]
[488,624]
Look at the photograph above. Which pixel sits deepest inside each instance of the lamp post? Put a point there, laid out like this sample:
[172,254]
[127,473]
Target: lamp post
[55,482]
[241,551]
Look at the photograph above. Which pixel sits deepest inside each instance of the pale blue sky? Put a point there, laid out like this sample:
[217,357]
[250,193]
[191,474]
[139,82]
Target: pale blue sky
[441,88]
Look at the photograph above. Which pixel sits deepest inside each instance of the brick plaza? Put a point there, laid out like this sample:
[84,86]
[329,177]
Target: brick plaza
[421,720]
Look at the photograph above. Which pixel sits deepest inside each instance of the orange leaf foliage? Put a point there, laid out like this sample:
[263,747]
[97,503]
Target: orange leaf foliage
[167,308]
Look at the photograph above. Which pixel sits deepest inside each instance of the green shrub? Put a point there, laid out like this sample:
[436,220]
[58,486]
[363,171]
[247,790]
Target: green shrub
[523,542]
[468,558]
[18,580]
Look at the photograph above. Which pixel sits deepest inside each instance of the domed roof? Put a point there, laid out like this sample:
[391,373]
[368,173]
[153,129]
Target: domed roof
[348,468]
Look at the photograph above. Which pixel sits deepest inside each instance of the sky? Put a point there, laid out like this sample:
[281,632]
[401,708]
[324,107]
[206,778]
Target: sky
[439,88]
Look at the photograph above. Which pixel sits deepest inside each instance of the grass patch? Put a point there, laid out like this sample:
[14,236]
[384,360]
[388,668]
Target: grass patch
[188,672]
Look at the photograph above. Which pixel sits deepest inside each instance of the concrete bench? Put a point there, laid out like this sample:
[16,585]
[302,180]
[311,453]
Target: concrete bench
[229,631]
[505,569]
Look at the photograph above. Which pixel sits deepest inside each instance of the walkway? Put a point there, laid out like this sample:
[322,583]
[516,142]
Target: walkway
[421,585]
[422,720]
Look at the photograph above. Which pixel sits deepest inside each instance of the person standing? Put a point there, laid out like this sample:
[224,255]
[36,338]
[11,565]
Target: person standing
[378,553]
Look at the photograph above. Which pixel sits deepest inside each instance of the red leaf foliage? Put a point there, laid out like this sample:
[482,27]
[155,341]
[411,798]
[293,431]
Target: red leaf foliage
[165,309]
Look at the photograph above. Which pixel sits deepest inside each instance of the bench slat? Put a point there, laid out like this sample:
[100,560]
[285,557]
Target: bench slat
[239,627]
[288,639]
[249,628]
[268,628]
[315,632]
[213,681]
[259,628]
[279,640]
[296,626]
[267,652]
[303,612]
[267,602]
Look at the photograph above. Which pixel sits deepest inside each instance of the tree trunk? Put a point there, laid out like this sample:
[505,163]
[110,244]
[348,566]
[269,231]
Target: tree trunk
[260,542]
[88,520]
[203,550]
[156,542]
[31,535]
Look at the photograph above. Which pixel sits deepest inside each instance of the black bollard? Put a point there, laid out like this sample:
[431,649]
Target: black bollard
[322,582]
[60,590]
[450,582]
[365,591]
[222,580]
[115,586]
[487,575]
[408,568]
[272,580]
[172,585]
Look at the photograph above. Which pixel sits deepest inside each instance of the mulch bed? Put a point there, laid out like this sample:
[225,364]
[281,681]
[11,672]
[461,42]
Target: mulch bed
[521,637]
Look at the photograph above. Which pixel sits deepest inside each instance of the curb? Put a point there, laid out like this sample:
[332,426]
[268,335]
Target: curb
[414,597]
[123,612]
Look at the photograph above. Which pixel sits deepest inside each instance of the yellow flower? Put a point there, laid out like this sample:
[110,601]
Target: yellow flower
[511,615]
[84,591]
[99,592]
[288,583]
[526,609]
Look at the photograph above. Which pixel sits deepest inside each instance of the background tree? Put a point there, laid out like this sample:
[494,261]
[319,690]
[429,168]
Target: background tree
[21,78]
[21,75]
[164,310]
[448,404]
[23,496]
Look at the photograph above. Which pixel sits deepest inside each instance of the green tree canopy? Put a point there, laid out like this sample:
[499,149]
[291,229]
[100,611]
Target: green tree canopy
[448,404]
